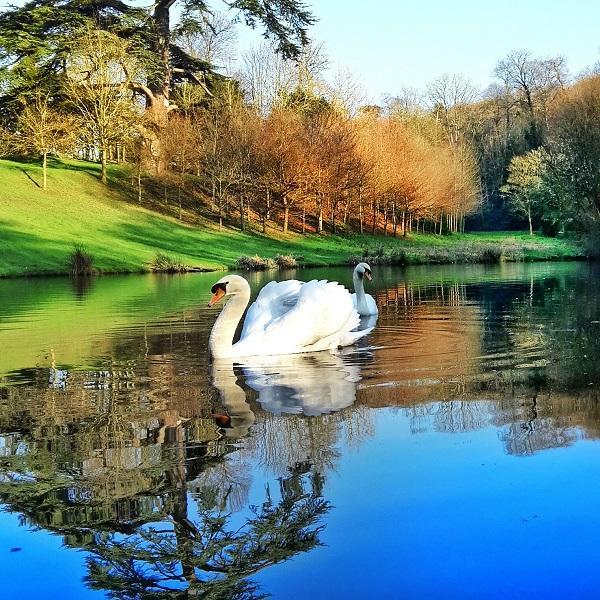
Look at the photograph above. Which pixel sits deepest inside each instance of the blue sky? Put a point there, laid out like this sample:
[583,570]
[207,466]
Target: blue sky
[391,43]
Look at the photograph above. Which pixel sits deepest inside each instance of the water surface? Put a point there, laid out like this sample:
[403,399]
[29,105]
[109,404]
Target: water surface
[452,453]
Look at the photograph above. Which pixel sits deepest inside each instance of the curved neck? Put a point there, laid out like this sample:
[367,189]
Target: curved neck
[359,288]
[221,336]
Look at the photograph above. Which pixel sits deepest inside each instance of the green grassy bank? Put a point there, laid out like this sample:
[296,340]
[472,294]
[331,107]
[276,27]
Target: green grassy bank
[39,229]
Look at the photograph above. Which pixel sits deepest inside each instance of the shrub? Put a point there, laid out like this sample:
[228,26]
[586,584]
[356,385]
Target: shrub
[398,257]
[254,263]
[82,263]
[163,263]
[286,261]
[491,254]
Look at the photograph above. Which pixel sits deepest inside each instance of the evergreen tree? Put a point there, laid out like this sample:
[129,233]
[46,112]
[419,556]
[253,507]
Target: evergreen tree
[34,41]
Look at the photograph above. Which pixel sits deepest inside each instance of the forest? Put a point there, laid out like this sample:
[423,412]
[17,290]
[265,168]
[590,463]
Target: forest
[268,140]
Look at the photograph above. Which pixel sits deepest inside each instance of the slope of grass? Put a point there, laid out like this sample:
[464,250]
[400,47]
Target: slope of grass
[39,230]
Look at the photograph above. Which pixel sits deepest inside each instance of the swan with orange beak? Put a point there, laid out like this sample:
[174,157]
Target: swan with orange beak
[288,317]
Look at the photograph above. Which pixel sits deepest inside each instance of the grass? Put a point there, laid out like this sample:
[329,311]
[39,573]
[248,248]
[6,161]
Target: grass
[81,262]
[39,229]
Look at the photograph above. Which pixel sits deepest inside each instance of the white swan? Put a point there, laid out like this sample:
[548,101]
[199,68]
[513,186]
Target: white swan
[363,303]
[288,317]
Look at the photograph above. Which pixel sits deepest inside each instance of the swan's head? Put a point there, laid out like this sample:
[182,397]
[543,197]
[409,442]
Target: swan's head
[227,286]
[363,270]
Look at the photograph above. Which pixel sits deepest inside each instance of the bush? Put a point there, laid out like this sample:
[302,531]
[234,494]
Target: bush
[491,254]
[286,261]
[254,263]
[82,263]
[163,263]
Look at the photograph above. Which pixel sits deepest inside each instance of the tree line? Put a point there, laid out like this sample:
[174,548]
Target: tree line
[271,142]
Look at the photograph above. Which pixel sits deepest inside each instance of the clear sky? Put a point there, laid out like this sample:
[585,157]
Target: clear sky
[390,43]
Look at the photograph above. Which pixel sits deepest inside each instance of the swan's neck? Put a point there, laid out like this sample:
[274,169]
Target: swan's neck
[359,288]
[221,336]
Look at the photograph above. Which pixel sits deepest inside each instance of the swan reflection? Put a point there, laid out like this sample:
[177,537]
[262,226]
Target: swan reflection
[309,384]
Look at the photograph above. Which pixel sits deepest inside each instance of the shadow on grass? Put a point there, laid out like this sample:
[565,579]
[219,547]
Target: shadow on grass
[22,251]
[30,178]
[184,241]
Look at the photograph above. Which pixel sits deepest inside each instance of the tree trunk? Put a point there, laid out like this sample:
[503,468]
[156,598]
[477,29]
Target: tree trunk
[286,215]
[320,215]
[45,171]
[374,224]
[360,216]
[529,218]
[303,219]
[385,219]
[103,177]
[242,224]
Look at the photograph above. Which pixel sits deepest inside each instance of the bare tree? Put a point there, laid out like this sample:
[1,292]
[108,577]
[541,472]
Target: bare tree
[43,130]
[100,72]
[534,82]
[448,96]
[211,37]
[267,78]
[347,91]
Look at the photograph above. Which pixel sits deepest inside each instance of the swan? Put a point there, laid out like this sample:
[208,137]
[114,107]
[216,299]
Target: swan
[288,317]
[363,303]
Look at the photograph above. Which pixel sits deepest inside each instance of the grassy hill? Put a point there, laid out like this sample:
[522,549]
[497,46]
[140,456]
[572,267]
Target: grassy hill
[39,230]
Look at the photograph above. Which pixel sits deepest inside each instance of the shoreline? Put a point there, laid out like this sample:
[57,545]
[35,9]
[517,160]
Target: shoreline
[301,266]
[41,230]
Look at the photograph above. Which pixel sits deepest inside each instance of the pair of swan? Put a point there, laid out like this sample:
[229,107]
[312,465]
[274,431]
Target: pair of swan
[289,317]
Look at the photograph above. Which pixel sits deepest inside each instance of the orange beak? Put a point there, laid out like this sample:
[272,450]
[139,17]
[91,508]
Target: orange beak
[216,296]
[368,276]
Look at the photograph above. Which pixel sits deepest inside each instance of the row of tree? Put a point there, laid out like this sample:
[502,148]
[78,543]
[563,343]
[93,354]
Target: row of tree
[274,141]
[306,156]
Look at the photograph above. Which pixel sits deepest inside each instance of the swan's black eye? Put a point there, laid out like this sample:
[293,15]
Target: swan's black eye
[368,271]
[219,286]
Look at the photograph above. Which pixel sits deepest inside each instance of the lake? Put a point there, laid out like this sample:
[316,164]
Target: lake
[452,453]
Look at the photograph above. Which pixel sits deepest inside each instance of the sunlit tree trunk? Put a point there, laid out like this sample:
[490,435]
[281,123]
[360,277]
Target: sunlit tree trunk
[45,171]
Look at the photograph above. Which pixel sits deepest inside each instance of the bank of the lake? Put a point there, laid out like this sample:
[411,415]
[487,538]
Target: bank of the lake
[40,228]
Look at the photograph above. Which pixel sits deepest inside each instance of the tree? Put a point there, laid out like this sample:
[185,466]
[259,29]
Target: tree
[449,96]
[210,37]
[524,183]
[534,82]
[43,130]
[50,24]
[181,144]
[7,142]
[99,76]
[574,149]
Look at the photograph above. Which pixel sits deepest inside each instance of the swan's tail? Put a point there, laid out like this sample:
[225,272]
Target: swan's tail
[352,336]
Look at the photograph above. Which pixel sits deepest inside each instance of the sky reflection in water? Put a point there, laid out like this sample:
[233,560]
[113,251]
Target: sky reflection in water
[453,453]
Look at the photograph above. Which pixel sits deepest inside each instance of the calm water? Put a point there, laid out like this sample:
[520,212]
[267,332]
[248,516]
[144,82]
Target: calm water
[454,453]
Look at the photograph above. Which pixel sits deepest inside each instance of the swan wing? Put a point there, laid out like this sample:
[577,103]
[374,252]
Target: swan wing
[322,318]
[274,300]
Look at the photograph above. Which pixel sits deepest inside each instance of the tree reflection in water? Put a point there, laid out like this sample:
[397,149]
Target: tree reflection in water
[119,478]
[208,557]
[127,462]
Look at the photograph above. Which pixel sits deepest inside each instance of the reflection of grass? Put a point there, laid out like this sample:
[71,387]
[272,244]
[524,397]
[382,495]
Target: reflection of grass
[45,321]
[70,322]
[38,230]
